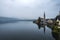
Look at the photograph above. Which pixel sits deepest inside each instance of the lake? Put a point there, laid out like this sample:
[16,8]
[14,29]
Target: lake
[24,30]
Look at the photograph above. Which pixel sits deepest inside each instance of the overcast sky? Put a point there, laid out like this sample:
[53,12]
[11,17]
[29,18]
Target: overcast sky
[29,9]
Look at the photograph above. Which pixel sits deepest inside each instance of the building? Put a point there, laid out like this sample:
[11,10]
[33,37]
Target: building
[50,21]
[57,19]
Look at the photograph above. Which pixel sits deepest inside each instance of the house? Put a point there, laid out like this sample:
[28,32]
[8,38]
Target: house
[57,19]
[50,21]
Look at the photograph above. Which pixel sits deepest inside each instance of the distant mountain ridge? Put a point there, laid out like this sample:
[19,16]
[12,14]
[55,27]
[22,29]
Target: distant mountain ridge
[7,20]
[10,20]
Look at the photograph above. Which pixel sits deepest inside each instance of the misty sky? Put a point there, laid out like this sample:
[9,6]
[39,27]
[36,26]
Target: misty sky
[29,9]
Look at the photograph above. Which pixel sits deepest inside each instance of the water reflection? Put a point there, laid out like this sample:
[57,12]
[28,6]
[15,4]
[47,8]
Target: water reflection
[39,26]
[56,35]
[55,30]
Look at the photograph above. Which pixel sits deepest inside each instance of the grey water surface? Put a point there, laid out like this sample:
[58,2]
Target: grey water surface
[24,30]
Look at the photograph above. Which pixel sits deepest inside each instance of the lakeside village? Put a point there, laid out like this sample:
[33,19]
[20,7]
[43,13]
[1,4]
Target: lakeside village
[53,23]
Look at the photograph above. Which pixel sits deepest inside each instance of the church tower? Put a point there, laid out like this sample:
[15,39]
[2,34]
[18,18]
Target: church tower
[44,15]
[44,18]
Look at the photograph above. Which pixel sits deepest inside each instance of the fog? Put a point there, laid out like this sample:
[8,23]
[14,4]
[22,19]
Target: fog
[29,9]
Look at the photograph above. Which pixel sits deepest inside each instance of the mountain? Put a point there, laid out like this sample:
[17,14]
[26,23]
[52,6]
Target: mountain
[8,20]
[12,20]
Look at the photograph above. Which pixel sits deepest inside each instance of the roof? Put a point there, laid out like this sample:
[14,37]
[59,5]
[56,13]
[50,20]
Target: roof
[57,17]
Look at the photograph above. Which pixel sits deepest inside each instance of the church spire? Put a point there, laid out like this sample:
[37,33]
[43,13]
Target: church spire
[44,15]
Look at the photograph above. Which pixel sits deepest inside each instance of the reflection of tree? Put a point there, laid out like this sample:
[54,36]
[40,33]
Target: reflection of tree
[43,26]
[39,26]
[56,35]
[55,31]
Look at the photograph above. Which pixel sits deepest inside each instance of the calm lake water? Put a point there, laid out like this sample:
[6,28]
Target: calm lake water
[24,30]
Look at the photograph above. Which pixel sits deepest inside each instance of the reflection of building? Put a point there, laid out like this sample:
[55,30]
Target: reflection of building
[52,24]
[55,31]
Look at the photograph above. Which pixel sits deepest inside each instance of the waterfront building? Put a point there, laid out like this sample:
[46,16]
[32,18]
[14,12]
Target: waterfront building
[57,19]
[50,21]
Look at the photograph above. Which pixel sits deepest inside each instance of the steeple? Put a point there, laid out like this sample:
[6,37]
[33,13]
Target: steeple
[44,18]
[44,15]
